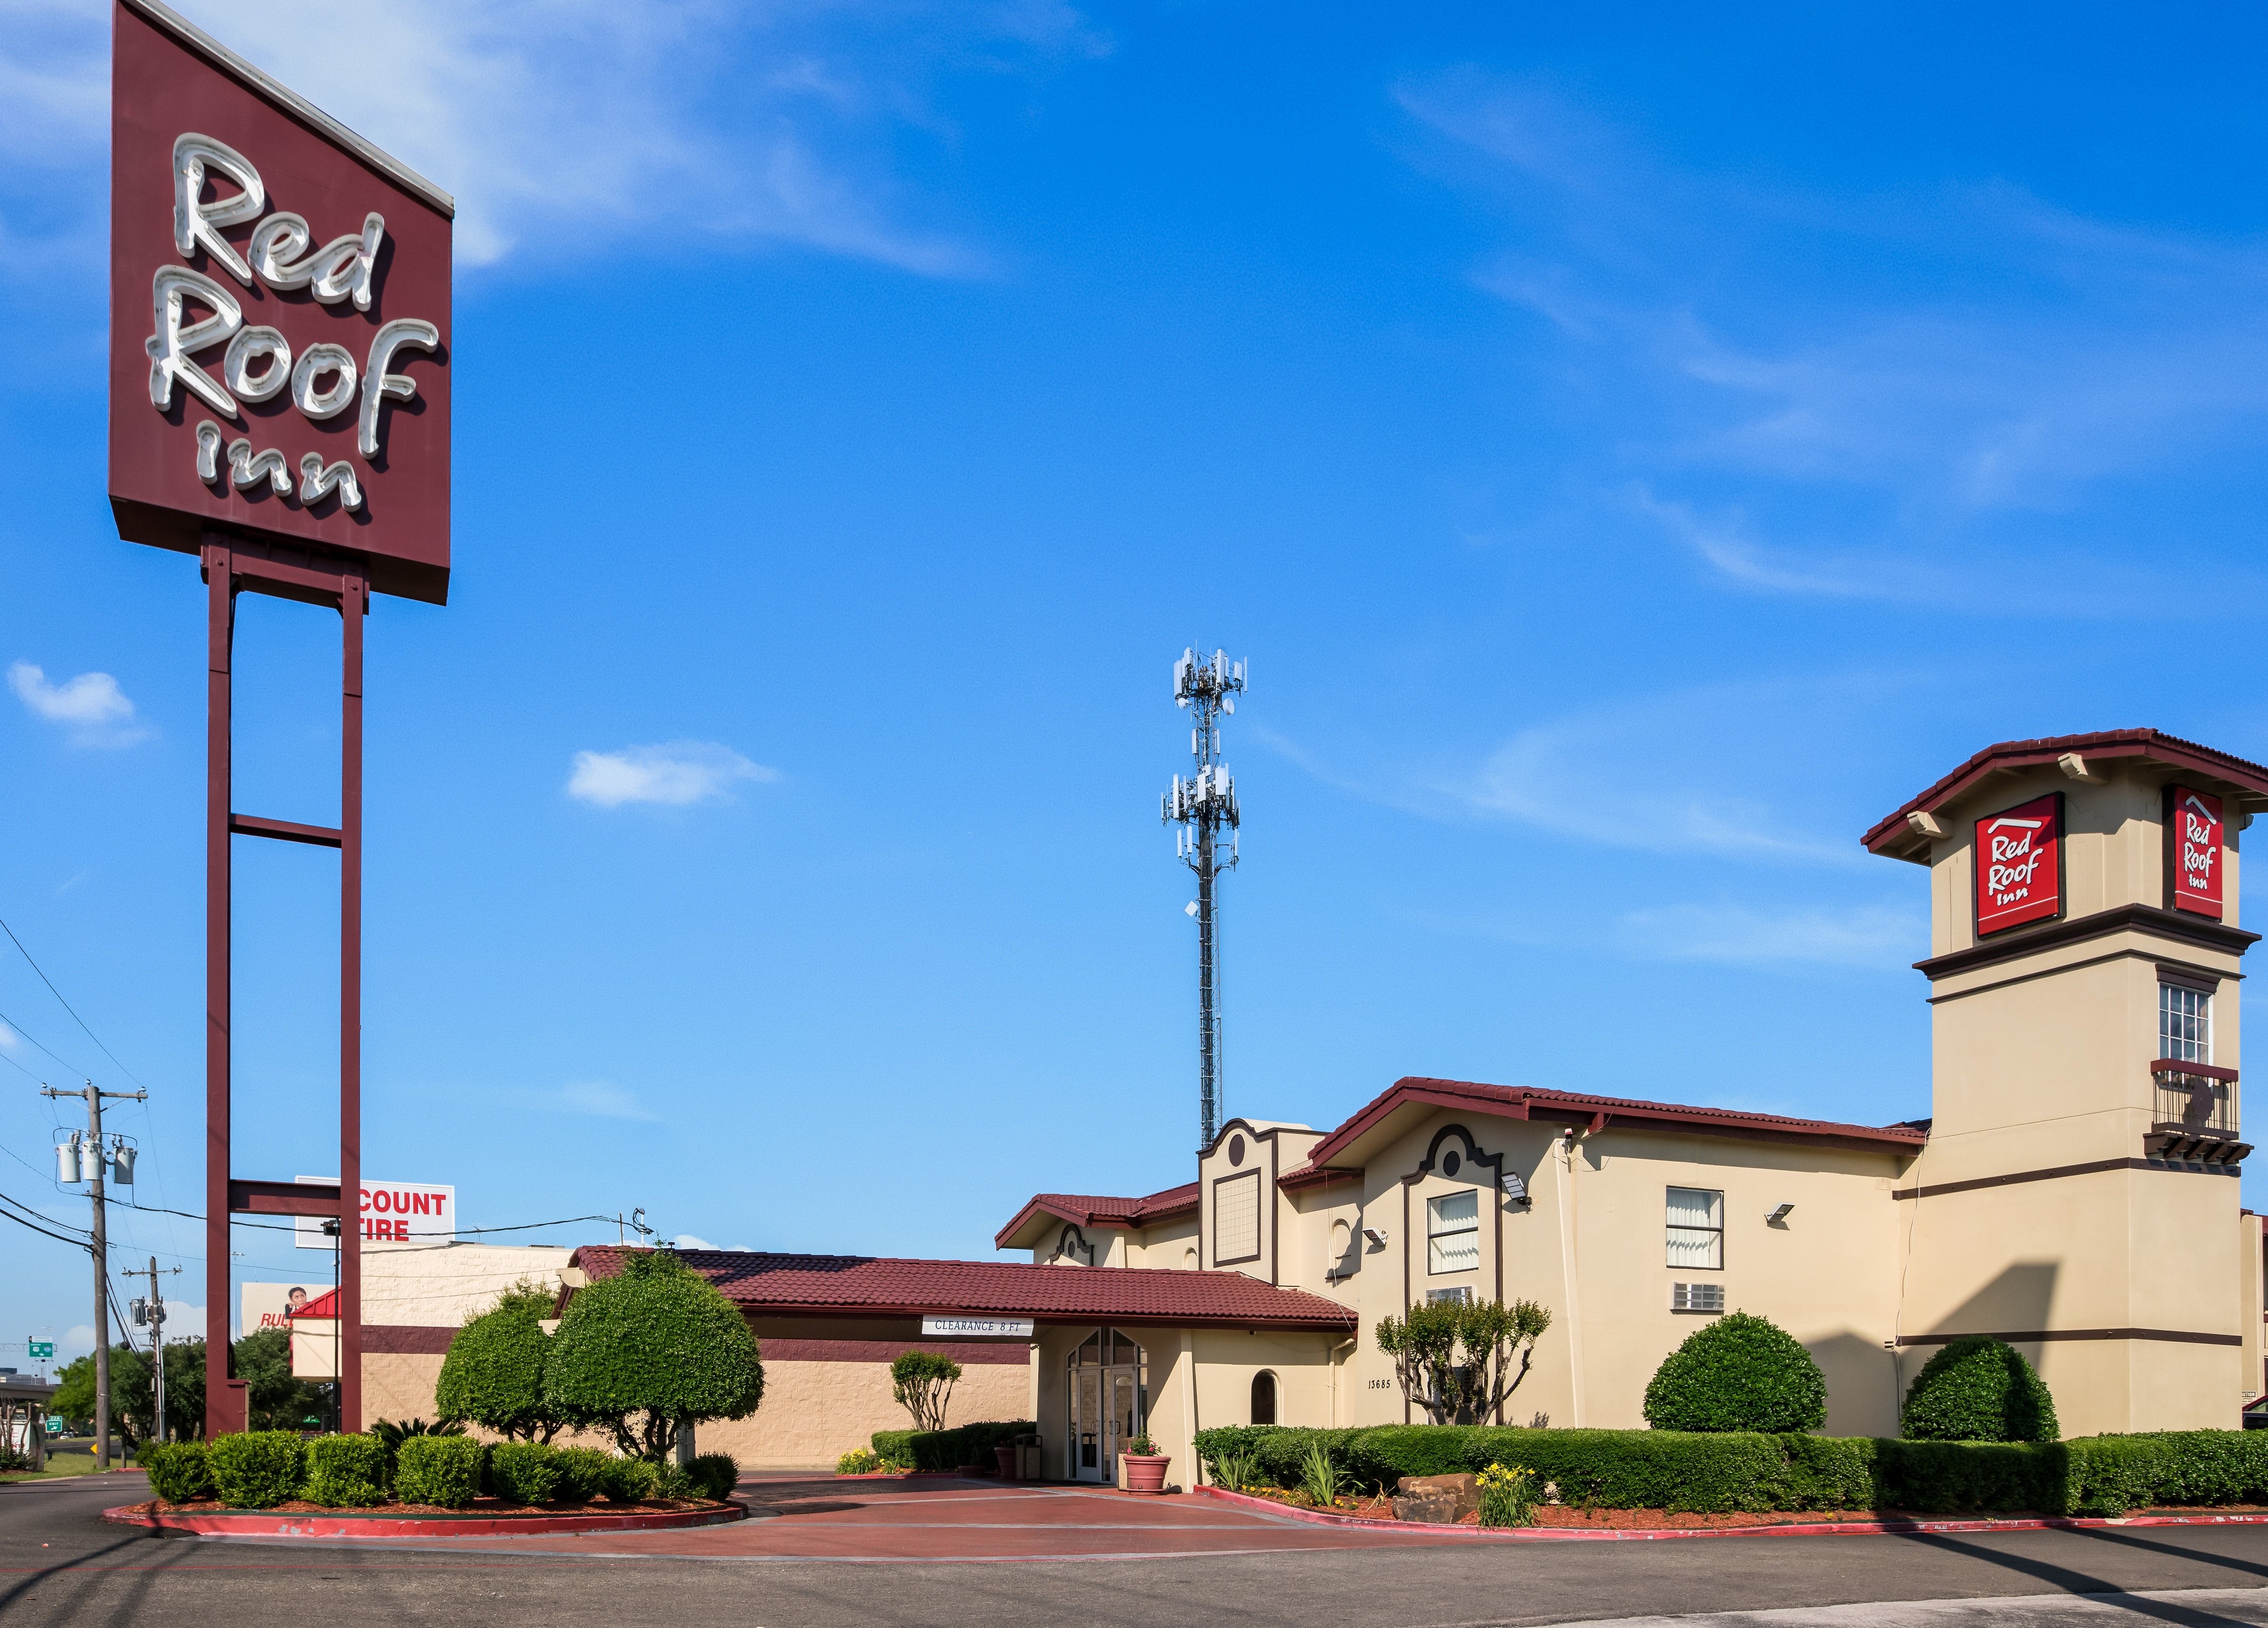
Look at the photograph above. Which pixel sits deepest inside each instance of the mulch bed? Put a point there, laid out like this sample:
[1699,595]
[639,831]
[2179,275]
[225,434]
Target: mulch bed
[491,1507]
[1566,1515]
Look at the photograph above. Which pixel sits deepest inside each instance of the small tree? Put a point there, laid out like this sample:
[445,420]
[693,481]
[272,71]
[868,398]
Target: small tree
[275,1399]
[916,1377]
[1979,1389]
[1455,1359]
[644,1354]
[1739,1372]
[493,1375]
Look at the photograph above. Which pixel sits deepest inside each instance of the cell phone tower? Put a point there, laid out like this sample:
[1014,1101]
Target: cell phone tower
[1203,806]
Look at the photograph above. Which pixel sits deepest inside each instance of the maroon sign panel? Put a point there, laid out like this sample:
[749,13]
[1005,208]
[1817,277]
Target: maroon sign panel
[2193,839]
[2020,864]
[279,317]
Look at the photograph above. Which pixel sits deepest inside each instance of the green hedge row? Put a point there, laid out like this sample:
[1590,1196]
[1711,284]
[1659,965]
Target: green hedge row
[1741,1471]
[259,1469]
[949,1449]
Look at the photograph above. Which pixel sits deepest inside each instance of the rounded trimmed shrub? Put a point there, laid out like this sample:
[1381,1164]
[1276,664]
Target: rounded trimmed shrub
[257,1468]
[714,1476]
[444,1471]
[1739,1372]
[347,1471]
[524,1472]
[493,1373]
[584,1473]
[1977,1389]
[177,1470]
[658,1347]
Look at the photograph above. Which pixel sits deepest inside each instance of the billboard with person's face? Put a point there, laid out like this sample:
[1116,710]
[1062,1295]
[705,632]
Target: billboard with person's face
[265,1306]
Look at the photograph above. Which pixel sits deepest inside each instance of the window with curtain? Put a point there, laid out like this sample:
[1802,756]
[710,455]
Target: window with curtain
[1452,1232]
[2184,1024]
[1696,1228]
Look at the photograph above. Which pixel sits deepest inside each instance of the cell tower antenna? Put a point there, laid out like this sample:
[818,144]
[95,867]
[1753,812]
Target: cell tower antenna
[1203,806]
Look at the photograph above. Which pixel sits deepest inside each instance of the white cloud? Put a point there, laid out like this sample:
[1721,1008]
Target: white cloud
[569,127]
[1915,374]
[8,1039]
[1573,775]
[691,1241]
[602,1100]
[1739,935]
[92,707]
[1724,543]
[673,773]
[1700,771]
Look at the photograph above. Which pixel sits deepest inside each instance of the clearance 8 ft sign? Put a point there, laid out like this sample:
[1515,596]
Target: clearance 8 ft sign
[2020,864]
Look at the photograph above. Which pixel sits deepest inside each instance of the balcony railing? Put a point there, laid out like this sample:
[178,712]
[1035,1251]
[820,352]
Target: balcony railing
[2196,1102]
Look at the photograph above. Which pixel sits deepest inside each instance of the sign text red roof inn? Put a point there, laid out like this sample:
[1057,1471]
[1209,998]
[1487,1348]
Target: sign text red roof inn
[279,317]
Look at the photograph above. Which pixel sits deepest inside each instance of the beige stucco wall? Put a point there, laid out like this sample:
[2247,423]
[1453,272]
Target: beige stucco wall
[1592,1248]
[399,1385]
[814,1412]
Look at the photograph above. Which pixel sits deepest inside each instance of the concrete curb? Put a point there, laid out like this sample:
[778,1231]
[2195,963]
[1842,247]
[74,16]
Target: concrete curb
[1794,1529]
[377,1523]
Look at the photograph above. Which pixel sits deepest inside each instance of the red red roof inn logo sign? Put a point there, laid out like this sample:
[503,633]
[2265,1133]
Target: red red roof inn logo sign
[2193,842]
[279,311]
[2020,864]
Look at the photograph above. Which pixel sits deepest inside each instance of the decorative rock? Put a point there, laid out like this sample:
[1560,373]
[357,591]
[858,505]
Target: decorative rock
[1443,1498]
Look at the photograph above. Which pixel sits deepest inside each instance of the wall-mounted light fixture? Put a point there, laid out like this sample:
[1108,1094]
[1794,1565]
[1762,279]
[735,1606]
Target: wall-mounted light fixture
[1779,1213]
[1376,1236]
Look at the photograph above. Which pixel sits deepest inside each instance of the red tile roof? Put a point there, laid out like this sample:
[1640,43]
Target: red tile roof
[1525,1102]
[852,1284]
[1891,834]
[1092,1210]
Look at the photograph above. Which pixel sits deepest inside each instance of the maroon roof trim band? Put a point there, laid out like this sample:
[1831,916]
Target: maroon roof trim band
[1090,1210]
[1891,835]
[1595,1113]
[852,1286]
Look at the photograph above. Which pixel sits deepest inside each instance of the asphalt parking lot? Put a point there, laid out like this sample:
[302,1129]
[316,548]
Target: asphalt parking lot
[1090,1562]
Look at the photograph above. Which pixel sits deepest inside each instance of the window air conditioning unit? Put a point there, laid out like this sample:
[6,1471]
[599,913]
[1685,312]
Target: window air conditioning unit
[1698,1297]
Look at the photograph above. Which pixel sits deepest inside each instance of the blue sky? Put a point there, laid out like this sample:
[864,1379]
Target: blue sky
[1635,450]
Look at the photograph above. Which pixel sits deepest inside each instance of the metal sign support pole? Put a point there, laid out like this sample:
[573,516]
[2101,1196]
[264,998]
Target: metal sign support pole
[225,1406]
[354,602]
[234,565]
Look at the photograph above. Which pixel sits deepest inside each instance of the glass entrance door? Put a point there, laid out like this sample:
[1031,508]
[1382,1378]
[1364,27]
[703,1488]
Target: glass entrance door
[1119,1427]
[1106,1401]
[1086,1424]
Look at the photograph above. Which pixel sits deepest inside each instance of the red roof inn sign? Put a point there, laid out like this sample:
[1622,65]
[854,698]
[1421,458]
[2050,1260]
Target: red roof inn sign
[2193,839]
[279,311]
[279,408]
[2020,864]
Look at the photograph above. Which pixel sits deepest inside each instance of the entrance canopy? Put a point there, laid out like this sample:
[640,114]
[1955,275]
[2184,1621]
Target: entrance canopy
[854,1286]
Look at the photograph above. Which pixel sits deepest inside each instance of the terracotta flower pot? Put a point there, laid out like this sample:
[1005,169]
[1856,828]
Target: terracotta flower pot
[1144,1473]
[1007,1456]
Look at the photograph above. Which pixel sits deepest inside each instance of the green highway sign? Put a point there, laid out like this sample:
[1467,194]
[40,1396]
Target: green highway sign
[41,1348]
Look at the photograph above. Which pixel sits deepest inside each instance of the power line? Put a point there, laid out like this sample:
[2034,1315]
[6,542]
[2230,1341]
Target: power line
[26,1034]
[67,1007]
